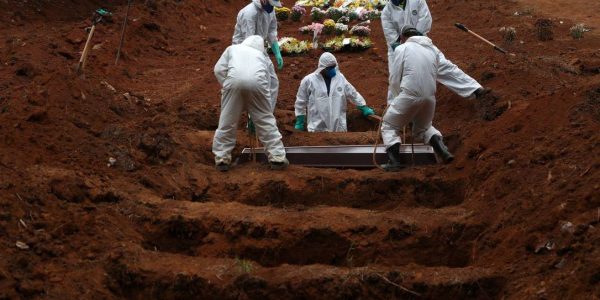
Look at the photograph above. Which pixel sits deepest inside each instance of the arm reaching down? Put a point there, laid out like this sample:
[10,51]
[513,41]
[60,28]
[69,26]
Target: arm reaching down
[222,67]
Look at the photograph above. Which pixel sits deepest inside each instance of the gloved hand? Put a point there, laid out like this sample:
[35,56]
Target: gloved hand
[366,111]
[300,122]
[277,52]
[251,127]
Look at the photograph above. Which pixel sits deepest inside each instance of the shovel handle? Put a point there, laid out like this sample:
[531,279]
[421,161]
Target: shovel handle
[375,117]
[465,29]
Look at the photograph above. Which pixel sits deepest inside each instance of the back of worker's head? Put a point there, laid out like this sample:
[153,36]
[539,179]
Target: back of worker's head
[256,42]
[408,31]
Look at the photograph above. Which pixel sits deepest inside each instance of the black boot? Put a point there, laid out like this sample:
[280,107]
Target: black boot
[440,149]
[223,167]
[394,163]
[481,92]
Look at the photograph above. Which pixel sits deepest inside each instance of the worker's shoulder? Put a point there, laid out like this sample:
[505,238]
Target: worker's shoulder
[248,10]
[310,76]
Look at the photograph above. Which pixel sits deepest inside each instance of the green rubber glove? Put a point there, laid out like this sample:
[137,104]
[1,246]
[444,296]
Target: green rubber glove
[300,122]
[366,111]
[277,52]
[251,127]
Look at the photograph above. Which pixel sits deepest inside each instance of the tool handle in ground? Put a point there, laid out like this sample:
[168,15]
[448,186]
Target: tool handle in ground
[86,50]
[123,32]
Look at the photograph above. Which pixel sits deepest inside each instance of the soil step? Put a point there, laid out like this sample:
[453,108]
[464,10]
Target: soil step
[325,235]
[374,189]
[152,275]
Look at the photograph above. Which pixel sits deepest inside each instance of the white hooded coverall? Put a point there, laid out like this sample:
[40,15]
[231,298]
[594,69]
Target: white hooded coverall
[417,14]
[413,85]
[326,112]
[243,73]
[254,20]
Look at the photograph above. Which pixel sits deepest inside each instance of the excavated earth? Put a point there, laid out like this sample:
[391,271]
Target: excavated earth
[516,216]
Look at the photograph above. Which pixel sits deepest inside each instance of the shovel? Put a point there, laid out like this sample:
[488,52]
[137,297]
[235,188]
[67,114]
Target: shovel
[99,14]
[465,29]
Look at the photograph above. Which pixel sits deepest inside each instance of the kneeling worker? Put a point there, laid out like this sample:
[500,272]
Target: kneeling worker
[413,86]
[322,98]
[243,72]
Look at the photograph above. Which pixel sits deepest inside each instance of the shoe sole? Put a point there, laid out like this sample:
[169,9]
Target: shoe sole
[223,168]
[278,167]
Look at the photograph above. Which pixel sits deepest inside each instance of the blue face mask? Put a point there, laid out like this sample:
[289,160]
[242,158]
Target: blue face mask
[268,7]
[330,72]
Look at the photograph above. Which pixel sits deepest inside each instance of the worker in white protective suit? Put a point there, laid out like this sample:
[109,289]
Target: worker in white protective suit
[258,18]
[243,72]
[322,97]
[399,13]
[415,68]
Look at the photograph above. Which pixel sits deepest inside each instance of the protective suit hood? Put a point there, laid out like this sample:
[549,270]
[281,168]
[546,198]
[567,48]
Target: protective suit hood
[275,3]
[256,42]
[421,40]
[326,60]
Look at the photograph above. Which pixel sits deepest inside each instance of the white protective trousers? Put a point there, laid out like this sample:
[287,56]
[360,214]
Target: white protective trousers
[254,20]
[242,71]
[413,85]
[405,109]
[417,14]
[326,112]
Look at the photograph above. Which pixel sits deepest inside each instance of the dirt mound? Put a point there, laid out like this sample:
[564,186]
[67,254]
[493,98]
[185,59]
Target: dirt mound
[107,185]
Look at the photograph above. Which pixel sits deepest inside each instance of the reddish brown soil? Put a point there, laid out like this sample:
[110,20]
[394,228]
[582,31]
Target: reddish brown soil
[162,223]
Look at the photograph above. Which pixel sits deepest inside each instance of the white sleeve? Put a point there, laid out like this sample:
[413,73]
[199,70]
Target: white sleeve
[244,28]
[397,72]
[272,29]
[222,66]
[353,95]
[302,97]
[424,22]
[389,30]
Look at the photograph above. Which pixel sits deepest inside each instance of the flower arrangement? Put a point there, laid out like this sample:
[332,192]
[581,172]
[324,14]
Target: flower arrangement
[353,15]
[369,14]
[328,26]
[577,31]
[359,30]
[335,13]
[338,3]
[292,46]
[508,33]
[340,28]
[317,14]
[297,13]
[347,44]
[282,13]
[313,3]
[312,28]
[379,4]
[344,20]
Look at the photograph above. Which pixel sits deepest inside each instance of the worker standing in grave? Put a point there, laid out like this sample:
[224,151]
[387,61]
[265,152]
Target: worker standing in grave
[399,13]
[243,73]
[414,70]
[258,18]
[322,97]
